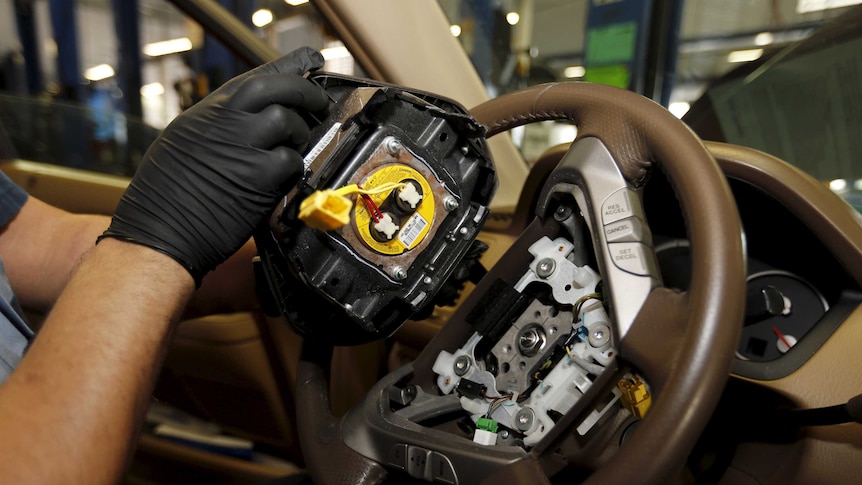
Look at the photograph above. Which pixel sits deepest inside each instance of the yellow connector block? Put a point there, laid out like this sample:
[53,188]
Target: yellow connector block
[325,210]
[635,396]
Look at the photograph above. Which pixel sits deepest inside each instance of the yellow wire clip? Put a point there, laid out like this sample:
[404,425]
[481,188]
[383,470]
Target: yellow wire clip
[329,209]
[635,396]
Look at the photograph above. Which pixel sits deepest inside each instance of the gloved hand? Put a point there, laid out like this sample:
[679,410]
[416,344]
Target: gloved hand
[220,167]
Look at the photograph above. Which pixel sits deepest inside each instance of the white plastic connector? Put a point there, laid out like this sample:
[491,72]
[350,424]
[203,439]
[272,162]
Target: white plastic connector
[386,226]
[486,438]
[409,195]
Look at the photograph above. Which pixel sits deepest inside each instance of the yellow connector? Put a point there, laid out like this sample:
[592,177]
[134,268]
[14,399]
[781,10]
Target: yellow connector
[635,396]
[325,210]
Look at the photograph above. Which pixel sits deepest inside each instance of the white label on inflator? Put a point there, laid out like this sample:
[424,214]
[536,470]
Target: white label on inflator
[412,230]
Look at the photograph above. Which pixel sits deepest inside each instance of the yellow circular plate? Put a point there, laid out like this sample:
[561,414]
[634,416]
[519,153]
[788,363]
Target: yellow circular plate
[414,227]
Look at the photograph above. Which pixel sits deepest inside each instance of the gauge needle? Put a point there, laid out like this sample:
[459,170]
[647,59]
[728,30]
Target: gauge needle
[788,340]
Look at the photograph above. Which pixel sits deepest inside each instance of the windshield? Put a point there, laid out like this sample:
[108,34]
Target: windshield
[744,68]
[734,63]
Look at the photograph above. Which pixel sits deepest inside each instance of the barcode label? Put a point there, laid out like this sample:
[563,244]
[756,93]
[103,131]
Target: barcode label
[412,230]
[321,144]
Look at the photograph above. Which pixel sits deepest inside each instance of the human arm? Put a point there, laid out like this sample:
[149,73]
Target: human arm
[68,413]
[209,179]
[42,245]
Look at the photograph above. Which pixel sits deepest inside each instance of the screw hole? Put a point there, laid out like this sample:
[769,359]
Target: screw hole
[444,136]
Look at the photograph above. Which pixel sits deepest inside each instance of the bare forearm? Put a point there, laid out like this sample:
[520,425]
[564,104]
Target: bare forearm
[41,247]
[80,392]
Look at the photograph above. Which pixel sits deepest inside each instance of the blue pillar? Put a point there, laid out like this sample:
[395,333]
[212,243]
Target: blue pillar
[243,10]
[219,63]
[482,12]
[672,51]
[26,23]
[217,59]
[65,24]
[129,54]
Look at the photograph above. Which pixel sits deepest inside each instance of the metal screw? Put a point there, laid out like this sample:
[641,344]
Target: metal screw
[392,146]
[399,273]
[450,204]
[427,280]
[410,393]
[600,335]
[462,365]
[524,419]
[504,434]
[531,340]
[562,213]
[546,267]
[463,231]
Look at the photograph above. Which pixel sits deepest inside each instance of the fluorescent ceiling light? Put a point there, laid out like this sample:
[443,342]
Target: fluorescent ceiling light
[166,47]
[747,55]
[97,73]
[574,71]
[764,38]
[838,185]
[679,108]
[455,29]
[152,90]
[295,2]
[513,18]
[806,6]
[262,17]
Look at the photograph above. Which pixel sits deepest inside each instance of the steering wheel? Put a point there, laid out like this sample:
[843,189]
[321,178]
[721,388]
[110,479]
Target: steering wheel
[682,343]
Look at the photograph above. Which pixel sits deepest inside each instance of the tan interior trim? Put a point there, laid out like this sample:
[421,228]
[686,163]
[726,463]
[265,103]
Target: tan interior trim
[74,190]
[834,221]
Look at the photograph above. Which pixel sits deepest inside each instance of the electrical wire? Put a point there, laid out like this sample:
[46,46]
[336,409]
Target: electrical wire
[357,189]
[365,194]
[580,302]
[372,207]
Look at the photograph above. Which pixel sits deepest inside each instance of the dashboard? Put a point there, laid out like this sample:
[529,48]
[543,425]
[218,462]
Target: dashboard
[797,294]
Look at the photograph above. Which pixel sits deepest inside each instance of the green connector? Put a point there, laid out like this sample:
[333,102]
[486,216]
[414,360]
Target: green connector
[487,424]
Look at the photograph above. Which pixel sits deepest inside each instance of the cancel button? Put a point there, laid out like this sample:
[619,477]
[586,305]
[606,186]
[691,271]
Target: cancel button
[630,229]
[632,257]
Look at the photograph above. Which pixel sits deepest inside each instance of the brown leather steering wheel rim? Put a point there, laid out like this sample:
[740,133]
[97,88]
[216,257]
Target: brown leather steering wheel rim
[639,134]
[688,363]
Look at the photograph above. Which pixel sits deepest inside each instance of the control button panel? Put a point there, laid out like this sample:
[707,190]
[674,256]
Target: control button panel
[441,469]
[630,229]
[635,258]
[421,463]
[621,204]
[398,456]
[417,458]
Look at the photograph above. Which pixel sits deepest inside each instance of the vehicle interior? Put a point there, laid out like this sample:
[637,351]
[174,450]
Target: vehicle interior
[639,261]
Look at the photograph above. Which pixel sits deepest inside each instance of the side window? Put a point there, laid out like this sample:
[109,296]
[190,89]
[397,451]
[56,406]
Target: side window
[90,84]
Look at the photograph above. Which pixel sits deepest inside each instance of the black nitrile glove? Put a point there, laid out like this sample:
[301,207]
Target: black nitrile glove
[219,168]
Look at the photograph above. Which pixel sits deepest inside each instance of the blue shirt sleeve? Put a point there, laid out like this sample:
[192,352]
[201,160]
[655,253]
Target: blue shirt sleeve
[12,198]
[15,334]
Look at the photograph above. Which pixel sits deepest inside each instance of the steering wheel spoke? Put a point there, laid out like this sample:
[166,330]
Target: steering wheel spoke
[653,342]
